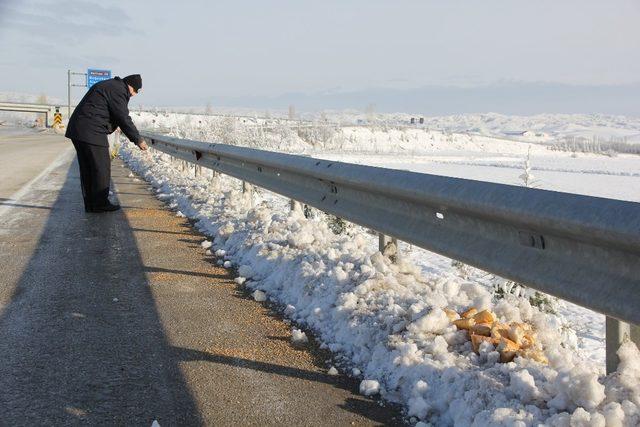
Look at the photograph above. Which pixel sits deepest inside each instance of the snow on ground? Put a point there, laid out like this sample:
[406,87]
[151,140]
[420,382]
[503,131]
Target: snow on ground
[391,134]
[538,128]
[588,174]
[485,147]
[8,130]
[385,321]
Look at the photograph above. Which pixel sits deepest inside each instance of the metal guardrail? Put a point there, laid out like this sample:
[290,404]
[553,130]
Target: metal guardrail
[582,249]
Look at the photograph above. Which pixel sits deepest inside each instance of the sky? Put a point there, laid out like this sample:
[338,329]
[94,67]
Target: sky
[335,53]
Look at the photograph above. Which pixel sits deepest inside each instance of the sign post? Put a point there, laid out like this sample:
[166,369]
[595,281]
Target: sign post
[57,118]
[70,85]
[91,77]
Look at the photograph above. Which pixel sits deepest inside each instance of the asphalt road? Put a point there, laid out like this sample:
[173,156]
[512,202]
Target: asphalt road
[121,319]
[26,154]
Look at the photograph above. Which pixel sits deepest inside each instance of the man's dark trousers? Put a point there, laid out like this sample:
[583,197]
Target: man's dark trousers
[95,172]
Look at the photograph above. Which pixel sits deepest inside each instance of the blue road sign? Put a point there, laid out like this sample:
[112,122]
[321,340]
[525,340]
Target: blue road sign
[95,76]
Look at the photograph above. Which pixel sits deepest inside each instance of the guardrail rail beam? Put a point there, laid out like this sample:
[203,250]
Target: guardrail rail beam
[579,248]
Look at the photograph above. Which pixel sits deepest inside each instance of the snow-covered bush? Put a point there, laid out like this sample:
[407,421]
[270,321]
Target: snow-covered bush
[596,144]
[336,224]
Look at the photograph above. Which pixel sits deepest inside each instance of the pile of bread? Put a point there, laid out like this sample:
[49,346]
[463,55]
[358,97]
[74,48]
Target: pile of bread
[509,339]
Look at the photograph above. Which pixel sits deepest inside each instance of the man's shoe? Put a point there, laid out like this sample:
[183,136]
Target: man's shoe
[107,207]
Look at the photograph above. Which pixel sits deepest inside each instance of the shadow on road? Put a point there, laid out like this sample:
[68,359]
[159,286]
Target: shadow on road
[81,340]
[368,408]
[150,269]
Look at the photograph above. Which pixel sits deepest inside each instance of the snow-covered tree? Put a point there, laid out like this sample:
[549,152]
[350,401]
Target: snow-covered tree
[527,177]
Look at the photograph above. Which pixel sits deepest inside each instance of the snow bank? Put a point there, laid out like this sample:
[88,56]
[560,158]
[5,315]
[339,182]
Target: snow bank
[298,337]
[369,387]
[259,296]
[387,321]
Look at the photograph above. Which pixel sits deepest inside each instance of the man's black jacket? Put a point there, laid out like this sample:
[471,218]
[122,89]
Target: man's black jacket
[104,108]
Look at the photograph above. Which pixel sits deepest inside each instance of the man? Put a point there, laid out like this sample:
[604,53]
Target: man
[103,109]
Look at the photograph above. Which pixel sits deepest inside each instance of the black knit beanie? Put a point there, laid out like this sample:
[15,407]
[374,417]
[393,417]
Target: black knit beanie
[134,80]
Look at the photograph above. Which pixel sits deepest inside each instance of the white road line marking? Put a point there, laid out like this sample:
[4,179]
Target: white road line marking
[64,157]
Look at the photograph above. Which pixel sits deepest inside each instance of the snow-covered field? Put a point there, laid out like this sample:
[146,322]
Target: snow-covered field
[384,321]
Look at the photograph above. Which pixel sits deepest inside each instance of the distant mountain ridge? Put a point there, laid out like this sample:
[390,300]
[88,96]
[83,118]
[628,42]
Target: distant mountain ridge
[505,98]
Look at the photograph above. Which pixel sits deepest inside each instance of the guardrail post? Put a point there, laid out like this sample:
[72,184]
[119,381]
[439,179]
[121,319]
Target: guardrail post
[198,170]
[388,246]
[215,181]
[635,334]
[296,205]
[308,211]
[247,189]
[618,332]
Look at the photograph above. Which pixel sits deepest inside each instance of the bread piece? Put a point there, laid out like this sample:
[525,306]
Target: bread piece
[527,327]
[451,314]
[481,329]
[507,350]
[476,340]
[534,354]
[464,323]
[500,330]
[516,334]
[485,316]
[469,313]
[529,340]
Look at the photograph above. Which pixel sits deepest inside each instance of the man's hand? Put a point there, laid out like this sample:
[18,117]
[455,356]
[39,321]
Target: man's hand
[143,145]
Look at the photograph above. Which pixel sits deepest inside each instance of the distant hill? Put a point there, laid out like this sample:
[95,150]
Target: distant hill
[505,98]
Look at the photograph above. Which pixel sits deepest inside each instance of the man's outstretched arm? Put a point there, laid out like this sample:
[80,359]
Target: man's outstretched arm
[119,110]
